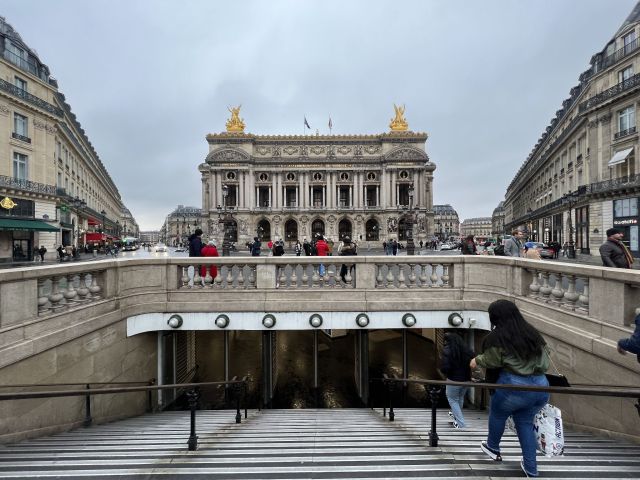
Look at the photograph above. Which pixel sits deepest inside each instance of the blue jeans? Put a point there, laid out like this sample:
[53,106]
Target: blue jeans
[455,396]
[523,406]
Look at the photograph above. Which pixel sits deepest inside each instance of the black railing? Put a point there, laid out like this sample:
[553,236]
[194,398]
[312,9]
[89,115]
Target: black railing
[193,395]
[624,133]
[434,388]
[32,99]
[609,93]
[614,184]
[617,55]
[22,138]
[27,185]
[25,64]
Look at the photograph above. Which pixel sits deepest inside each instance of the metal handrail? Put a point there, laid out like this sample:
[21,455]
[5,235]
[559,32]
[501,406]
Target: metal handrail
[192,395]
[434,387]
[27,385]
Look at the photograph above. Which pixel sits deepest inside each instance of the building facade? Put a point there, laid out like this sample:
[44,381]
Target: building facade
[446,222]
[480,228]
[368,187]
[150,236]
[497,222]
[128,225]
[179,224]
[583,175]
[54,188]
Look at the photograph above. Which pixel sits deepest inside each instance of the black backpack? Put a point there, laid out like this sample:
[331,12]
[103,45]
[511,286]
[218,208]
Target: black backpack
[499,250]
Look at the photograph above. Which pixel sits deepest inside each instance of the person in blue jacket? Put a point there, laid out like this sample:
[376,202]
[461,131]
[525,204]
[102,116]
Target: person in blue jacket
[631,344]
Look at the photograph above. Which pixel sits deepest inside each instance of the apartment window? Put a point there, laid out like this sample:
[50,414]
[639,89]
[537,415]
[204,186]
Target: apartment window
[20,166]
[626,119]
[629,41]
[20,83]
[20,127]
[626,208]
[625,74]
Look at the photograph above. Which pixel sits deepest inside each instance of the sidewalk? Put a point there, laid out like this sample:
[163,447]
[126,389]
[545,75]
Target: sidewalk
[83,257]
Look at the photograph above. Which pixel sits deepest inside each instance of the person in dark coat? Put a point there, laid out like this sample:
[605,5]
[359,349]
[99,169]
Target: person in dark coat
[255,247]
[348,248]
[631,344]
[469,246]
[195,243]
[454,364]
[306,247]
[613,252]
[41,251]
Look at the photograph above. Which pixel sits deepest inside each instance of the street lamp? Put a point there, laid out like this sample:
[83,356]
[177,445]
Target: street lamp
[79,205]
[118,228]
[225,217]
[534,235]
[410,218]
[103,213]
[570,199]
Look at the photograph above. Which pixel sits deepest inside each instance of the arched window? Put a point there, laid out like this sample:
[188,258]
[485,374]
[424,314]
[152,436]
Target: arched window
[372,230]
[317,228]
[291,230]
[344,229]
[263,230]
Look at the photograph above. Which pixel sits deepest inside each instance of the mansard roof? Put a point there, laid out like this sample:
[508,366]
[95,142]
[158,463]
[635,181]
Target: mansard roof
[187,211]
[444,210]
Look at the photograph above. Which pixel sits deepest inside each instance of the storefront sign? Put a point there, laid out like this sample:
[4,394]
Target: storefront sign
[625,221]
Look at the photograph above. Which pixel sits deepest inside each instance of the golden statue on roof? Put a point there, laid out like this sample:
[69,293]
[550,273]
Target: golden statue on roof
[399,123]
[235,123]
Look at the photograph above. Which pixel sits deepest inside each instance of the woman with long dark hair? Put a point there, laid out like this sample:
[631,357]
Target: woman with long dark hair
[455,365]
[522,357]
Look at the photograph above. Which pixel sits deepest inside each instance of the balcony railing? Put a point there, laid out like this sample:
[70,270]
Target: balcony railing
[22,138]
[26,185]
[624,133]
[615,184]
[617,55]
[25,64]
[32,99]
[610,93]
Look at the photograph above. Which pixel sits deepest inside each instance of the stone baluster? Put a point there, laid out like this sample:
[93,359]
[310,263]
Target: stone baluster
[83,290]
[229,283]
[583,298]
[348,278]
[197,279]
[423,275]
[43,299]
[241,277]
[330,277]
[306,280]
[389,283]
[252,276]
[545,289]
[294,276]
[401,280]
[434,275]
[557,293]
[55,297]
[534,286]
[571,296]
[95,288]
[282,278]
[316,276]
[217,281]
[208,279]
[445,276]
[379,276]
[70,293]
[412,275]
[185,277]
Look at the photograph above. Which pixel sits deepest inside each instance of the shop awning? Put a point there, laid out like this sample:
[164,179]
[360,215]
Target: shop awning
[620,156]
[26,225]
[95,237]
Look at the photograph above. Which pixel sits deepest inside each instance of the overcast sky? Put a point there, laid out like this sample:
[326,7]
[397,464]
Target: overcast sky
[148,79]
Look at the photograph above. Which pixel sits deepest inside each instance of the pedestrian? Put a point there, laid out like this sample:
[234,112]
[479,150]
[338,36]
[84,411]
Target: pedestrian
[270,247]
[384,246]
[209,250]
[278,247]
[74,252]
[41,252]
[420,244]
[60,251]
[468,247]
[454,364]
[322,250]
[195,243]
[298,248]
[631,344]
[613,252]
[517,353]
[348,249]
[513,246]
[306,247]
[255,247]
[394,247]
[531,251]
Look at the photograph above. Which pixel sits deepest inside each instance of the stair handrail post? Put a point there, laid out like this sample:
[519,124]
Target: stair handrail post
[391,386]
[245,387]
[434,393]
[237,390]
[152,382]
[192,396]
[87,408]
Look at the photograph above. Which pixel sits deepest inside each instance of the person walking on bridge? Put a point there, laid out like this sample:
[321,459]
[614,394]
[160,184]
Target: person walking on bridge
[516,351]
[613,252]
[513,246]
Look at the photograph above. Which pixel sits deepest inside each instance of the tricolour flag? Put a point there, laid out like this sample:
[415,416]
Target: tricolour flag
[306,124]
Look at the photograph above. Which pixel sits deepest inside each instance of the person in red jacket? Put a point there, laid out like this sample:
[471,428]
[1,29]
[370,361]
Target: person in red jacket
[322,250]
[209,250]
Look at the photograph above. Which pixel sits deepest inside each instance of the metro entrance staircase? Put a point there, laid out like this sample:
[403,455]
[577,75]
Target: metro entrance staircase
[301,444]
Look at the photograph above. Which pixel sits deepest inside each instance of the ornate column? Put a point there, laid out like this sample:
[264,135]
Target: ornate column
[273,192]
[301,201]
[241,203]
[218,188]
[394,194]
[383,189]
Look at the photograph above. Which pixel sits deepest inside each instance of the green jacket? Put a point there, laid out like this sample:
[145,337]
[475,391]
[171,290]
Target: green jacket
[496,357]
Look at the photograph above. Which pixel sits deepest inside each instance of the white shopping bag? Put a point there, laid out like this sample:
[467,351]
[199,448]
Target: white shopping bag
[547,425]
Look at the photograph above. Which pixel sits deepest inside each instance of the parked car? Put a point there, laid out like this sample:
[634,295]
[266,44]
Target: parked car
[161,247]
[446,246]
[546,251]
[181,249]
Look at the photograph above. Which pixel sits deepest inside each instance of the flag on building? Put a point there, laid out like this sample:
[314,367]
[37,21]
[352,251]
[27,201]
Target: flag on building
[306,124]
